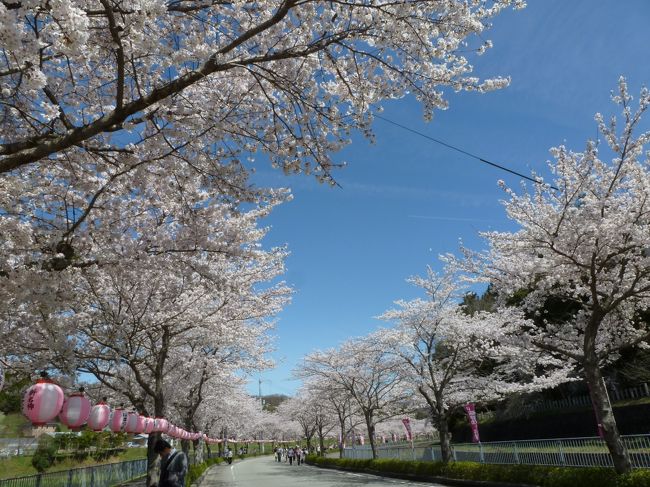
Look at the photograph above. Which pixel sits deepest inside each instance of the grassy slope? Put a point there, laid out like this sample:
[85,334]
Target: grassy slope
[12,425]
[22,465]
[16,426]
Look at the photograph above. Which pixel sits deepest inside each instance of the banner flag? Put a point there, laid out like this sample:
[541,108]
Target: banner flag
[407,425]
[473,422]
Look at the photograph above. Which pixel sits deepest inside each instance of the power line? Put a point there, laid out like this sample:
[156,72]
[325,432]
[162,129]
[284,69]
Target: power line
[463,151]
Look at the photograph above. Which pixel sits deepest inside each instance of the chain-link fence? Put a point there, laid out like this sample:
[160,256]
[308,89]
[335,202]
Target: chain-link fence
[570,452]
[98,476]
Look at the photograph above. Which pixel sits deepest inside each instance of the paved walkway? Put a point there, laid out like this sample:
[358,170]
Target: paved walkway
[265,471]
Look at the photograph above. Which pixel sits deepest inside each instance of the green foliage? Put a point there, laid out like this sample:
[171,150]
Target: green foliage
[13,425]
[638,478]
[195,471]
[11,395]
[45,454]
[272,401]
[541,476]
[472,303]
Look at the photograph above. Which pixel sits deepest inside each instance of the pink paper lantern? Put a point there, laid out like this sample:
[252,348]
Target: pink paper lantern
[162,425]
[148,425]
[139,427]
[131,423]
[75,410]
[100,415]
[42,401]
[118,420]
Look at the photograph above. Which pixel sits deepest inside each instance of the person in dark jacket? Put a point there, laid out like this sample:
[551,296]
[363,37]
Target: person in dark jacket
[173,465]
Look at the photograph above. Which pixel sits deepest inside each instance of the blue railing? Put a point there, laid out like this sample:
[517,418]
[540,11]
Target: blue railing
[105,475]
[570,452]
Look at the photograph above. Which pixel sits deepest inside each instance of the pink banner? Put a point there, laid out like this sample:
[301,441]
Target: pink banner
[473,422]
[407,426]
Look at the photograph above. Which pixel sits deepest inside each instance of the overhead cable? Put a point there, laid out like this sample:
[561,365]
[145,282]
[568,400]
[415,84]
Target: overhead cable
[463,151]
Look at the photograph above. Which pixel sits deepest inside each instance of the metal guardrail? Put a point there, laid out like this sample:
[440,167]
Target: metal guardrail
[570,452]
[17,446]
[97,476]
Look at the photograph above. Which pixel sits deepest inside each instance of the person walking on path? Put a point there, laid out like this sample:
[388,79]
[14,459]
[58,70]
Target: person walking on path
[299,457]
[173,465]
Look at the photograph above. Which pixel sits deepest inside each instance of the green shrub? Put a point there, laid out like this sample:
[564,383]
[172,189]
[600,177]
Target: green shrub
[588,477]
[195,471]
[638,478]
[45,454]
[541,476]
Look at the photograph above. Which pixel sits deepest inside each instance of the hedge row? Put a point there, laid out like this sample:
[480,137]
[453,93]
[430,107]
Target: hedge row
[533,475]
[195,471]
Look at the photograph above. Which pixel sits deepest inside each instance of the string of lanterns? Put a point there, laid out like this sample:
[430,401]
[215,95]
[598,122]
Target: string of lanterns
[45,400]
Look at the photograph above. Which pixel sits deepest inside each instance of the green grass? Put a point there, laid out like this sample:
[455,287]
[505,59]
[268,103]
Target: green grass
[13,425]
[595,446]
[21,466]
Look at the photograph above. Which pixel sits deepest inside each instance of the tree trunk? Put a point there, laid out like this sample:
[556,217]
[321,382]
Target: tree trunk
[198,450]
[443,430]
[605,416]
[321,442]
[371,435]
[152,459]
[153,463]
[185,446]
[343,436]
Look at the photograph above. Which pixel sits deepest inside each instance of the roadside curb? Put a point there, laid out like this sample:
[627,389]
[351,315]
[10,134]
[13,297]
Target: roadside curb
[197,482]
[440,480]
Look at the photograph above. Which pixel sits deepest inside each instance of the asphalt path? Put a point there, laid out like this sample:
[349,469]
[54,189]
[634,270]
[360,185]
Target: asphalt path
[266,472]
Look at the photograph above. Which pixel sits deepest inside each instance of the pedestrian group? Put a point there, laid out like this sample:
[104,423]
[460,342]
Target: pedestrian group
[290,455]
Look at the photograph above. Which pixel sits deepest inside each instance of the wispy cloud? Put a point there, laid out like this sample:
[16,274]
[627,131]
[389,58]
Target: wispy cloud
[463,199]
[450,218]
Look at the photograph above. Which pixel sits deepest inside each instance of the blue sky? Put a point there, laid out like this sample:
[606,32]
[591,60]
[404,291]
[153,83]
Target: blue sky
[404,200]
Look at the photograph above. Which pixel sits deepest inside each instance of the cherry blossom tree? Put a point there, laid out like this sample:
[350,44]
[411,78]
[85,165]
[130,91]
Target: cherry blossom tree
[364,371]
[113,109]
[452,357]
[89,81]
[143,344]
[301,410]
[153,320]
[309,408]
[326,406]
[584,245]
[335,408]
